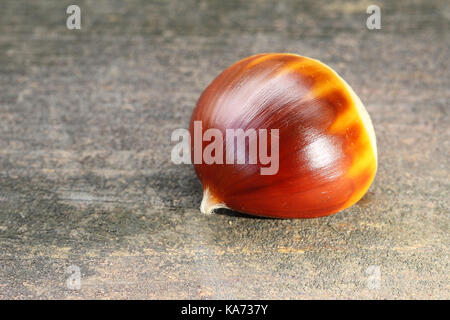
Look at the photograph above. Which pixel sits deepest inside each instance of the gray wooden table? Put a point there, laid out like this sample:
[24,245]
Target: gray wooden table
[87,186]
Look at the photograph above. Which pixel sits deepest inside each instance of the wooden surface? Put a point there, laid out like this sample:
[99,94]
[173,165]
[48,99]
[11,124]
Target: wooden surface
[86,178]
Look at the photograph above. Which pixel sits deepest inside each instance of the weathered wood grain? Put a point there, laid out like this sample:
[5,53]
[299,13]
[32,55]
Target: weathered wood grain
[85,171]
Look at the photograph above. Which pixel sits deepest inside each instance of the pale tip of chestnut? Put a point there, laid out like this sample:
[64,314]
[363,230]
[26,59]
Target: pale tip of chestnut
[210,203]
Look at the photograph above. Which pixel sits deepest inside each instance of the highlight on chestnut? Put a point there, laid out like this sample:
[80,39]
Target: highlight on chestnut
[317,132]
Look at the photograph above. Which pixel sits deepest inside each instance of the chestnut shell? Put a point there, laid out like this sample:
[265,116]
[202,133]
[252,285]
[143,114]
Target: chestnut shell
[327,146]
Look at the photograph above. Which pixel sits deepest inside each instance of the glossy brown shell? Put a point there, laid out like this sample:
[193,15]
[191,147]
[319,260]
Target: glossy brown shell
[327,148]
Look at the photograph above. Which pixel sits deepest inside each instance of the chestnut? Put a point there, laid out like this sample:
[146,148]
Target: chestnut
[327,154]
